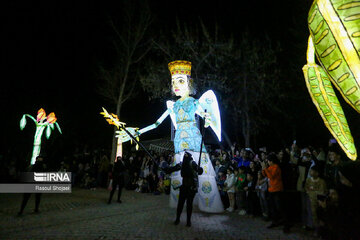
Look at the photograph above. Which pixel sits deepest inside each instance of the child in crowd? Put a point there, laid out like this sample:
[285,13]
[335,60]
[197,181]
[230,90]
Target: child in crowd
[239,187]
[251,198]
[220,181]
[160,187]
[230,188]
[139,184]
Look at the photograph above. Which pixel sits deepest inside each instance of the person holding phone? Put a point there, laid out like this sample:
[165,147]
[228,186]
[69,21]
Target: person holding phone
[275,188]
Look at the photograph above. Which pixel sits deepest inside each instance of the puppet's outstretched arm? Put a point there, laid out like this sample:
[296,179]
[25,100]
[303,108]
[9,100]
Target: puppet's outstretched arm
[154,125]
[125,137]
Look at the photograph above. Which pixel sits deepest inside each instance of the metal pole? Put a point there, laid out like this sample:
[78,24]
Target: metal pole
[202,139]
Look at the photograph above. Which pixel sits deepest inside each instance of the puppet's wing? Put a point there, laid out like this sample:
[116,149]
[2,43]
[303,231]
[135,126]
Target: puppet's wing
[170,106]
[209,103]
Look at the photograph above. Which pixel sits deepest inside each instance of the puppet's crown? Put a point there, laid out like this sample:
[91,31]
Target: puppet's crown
[180,67]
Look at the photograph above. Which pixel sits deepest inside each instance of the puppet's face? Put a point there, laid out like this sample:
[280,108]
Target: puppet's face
[180,85]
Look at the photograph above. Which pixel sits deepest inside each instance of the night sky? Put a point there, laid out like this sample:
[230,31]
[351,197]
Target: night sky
[50,53]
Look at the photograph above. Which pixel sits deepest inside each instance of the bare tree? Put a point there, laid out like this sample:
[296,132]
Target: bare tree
[255,79]
[130,45]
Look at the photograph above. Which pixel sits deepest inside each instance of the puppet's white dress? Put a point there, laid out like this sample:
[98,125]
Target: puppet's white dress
[188,138]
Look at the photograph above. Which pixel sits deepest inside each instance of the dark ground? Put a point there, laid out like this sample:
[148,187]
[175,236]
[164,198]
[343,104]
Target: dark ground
[84,214]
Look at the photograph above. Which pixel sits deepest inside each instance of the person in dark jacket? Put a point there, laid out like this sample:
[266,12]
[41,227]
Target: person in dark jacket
[118,178]
[251,197]
[37,167]
[189,172]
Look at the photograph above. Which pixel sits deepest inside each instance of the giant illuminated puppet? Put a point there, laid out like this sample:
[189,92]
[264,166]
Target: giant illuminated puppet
[42,121]
[187,136]
[335,40]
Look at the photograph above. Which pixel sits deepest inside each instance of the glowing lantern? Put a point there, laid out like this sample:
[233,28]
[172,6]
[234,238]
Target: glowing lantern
[335,39]
[187,137]
[40,127]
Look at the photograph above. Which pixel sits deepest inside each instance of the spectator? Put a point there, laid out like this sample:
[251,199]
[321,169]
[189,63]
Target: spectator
[153,182]
[262,154]
[239,187]
[160,187]
[273,172]
[289,178]
[220,180]
[257,161]
[118,178]
[103,168]
[244,159]
[294,153]
[314,186]
[217,166]
[332,166]
[319,154]
[251,198]
[261,187]
[230,188]
[253,170]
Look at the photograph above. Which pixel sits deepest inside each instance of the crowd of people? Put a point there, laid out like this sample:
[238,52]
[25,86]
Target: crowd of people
[318,188]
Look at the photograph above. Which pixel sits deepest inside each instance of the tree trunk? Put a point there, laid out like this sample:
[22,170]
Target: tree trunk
[247,130]
[243,130]
[118,110]
[113,146]
[227,139]
[236,125]
[114,140]
[246,118]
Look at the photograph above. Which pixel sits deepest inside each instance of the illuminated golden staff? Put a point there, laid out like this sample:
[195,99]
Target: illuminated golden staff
[113,119]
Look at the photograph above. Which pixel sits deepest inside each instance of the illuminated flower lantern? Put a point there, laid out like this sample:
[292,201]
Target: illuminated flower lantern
[187,136]
[335,40]
[42,121]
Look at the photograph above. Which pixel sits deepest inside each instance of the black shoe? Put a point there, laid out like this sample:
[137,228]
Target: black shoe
[119,201]
[272,225]
[109,202]
[19,214]
[36,211]
[188,224]
[176,222]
